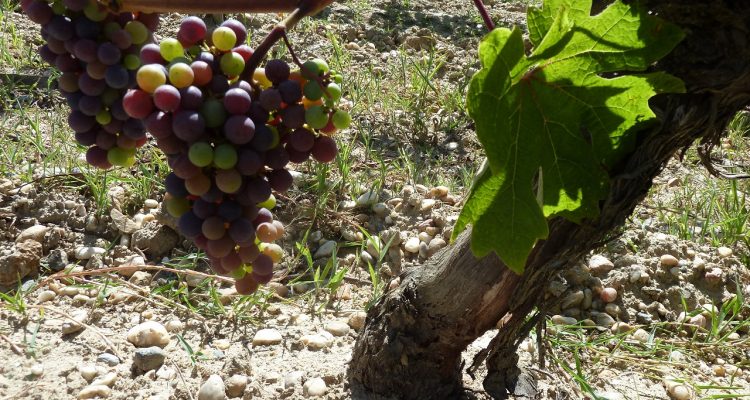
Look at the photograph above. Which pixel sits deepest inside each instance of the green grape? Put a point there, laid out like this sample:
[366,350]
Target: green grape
[316,117]
[269,203]
[181,75]
[103,117]
[94,12]
[213,113]
[312,90]
[238,273]
[131,62]
[310,70]
[336,77]
[58,8]
[110,28]
[121,157]
[232,64]
[272,250]
[176,206]
[138,32]
[225,156]
[201,154]
[341,119]
[224,38]
[276,136]
[334,91]
[150,77]
[171,49]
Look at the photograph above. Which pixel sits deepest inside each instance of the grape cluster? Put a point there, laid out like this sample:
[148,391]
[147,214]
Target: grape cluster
[228,140]
[98,54]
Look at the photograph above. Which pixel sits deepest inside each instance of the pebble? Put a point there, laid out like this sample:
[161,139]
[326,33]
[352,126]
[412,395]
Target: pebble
[68,326]
[86,252]
[357,320]
[572,300]
[426,205]
[148,358]
[314,387]
[412,245]
[366,258]
[175,325]
[109,359]
[212,389]
[88,372]
[337,328]
[621,327]
[439,191]
[267,337]
[724,252]
[106,380]
[326,249]
[45,296]
[150,203]
[236,385]
[293,379]
[140,278]
[381,209]
[352,235]
[676,356]
[147,334]
[641,335]
[37,370]
[166,373]
[434,246]
[347,205]
[222,344]
[35,233]
[562,320]
[94,391]
[367,198]
[679,392]
[315,341]
[604,319]
[600,265]
[669,261]
[374,246]
[608,295]
[719,370]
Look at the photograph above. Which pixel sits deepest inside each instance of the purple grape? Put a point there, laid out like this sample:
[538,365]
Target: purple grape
[85,50]
[277,71]
[90,105]
[87,138]
[229,210]
[277,158]
[188,125]
[159,124]
[80,122]
[238,28]
[150,54]
[257,190]
[239,129]
[204,209]
[237,101]
[241,230]
[191,98]
[134,129]
[293,116]
[175,186]
[189,225]
[263,138]
[291,92]
[280,180]
[108,53]
[60,27]
[249,162]
[116,76]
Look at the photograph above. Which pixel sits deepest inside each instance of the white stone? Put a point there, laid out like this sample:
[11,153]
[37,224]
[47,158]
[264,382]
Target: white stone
[314,387]
[641,335]
[724,252]
[236,385]
[380,209]
[669,261]
[35,233]
[37,370]
[426,205]
[347,205]
[107,380]
[212,389]
[562,320]
[325,250]
[357,320]
[412,245]
[598,264]
[367,198]
[267,337]
[374,246]
[88,372]
[147,334]
[337,328]
[94,391]
[45,296]
[150,203]
[293,379]
[315,341]
[68,326]
[86,252]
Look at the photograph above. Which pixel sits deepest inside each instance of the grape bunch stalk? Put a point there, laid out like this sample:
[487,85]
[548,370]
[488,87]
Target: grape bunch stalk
[98,55]
[228,138]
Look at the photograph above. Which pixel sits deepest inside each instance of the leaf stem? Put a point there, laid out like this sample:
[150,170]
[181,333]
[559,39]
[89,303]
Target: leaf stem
[485,15]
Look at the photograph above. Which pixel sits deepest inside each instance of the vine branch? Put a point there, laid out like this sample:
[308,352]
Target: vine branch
[485,15]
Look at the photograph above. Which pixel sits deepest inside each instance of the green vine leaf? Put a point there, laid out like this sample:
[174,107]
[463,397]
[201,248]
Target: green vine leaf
[552,123]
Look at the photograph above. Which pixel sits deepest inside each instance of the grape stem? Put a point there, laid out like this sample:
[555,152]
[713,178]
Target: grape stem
[485,15]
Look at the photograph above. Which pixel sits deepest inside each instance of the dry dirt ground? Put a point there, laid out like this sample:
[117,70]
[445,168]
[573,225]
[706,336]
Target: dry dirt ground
[117,305]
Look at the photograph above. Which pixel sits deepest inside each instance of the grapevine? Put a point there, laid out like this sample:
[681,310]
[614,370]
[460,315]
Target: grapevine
[227,128]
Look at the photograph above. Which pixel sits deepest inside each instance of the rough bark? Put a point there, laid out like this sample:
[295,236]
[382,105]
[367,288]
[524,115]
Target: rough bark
[410,347]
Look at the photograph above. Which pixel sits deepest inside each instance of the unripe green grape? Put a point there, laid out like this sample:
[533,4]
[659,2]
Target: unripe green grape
[338,78]
[223,38]
[276,136]
[334,91]
[103,117]
[269,203]
[213,112]
[232,64]
[121,157]
[58,8]
[201,154]
[181,75]
[316,117]
[341,119]
[171,49]
[110,28]
[312,90]
[94,12]
[238,273]
[176,206]
[138,32]
[225,156]
[131,62]
[310,70]
[272,250]
[150,77]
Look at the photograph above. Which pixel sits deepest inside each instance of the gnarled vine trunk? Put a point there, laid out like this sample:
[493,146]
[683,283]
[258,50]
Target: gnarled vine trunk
[411,345]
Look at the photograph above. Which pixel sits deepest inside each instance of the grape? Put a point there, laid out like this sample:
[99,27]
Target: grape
[97,70]
[229,210]
[314,68]
[167,98]
[47,54]
[324,149]
[137,104]
[268,203]
[198,185]
[225,156]
[204,209]
[228,180]
[90,86]
[313,91]
[95,12]
[291,91]
[221,247]
[175,185]
[213,195]
[131,62]
[277,158]
[258,114]
[183,168]
[150,77]
[80,122]
[86,138]
[97,157]
[192,30]
[85,50]
[224,38]
[232,64]
[263,216]
[181,75]
[333,92]
[170,49]
[201,154]
[90,105]
[263,139]
[39,12]
[171,145]
[246,285]
[244,50]
[215,263]
[316,117]
[219,84]
[341,119]
[239,129]
[280,180]
[159,124]
[277,71]
[213,113]
[231,262]
[237,101]
[138,31]
[176,206]
[192,98]
[103,118]
[301,140]
[293,116]
[151,54]
[108,54]
[124,142]
[60,28]
[213,228]
[121,38]
[248,253]
[188,125]
[263,265]
[262,279]
[121,157]
[202,73]
[66,63]
[189,224]
[257,190]
[106,140]
[68,82]
[134,129]
[238,28]
[296,156]
[249,162]
[116,77]
[270,99]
